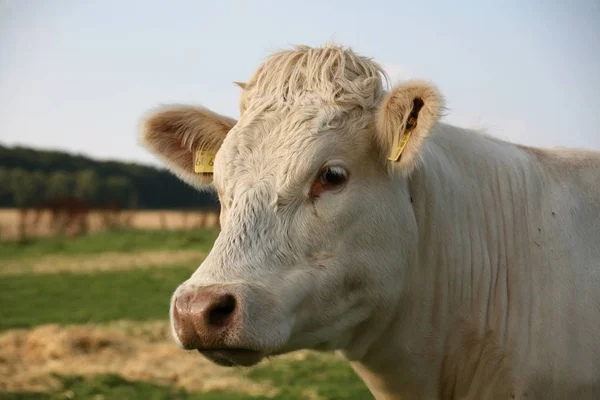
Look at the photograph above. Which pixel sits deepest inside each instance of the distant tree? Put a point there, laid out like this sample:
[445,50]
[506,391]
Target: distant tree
[118,188]
[87,185]
[23,187]
[134,199]
[6,197]
[60,185]
[40,181]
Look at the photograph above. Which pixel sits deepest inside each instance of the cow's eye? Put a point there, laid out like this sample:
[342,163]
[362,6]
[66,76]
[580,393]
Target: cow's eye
[329,178]
[333,176]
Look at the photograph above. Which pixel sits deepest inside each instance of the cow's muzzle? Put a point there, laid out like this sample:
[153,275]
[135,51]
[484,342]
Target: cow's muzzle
[208,320]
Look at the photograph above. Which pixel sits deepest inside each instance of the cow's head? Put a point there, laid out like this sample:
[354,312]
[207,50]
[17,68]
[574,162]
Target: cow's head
[317,223]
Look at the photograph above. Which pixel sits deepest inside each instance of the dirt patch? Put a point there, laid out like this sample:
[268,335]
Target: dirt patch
[135,351]
[85,263]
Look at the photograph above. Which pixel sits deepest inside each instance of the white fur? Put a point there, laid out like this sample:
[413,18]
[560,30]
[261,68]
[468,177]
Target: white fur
[474,274]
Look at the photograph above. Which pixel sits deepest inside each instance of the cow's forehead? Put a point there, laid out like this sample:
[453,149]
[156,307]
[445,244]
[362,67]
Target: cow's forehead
[273,146]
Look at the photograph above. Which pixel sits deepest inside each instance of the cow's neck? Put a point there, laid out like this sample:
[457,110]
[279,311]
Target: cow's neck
[473,239]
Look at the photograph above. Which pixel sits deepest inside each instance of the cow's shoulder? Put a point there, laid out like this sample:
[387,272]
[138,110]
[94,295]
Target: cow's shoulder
[565,161]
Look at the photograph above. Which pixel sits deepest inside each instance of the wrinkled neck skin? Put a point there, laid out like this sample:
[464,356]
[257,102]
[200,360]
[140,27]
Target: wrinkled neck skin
[454,290]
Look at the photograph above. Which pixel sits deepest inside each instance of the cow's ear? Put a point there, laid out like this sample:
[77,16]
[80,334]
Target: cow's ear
[405,118]
[186,139]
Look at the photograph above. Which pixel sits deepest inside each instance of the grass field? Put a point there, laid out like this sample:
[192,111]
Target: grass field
[86,318]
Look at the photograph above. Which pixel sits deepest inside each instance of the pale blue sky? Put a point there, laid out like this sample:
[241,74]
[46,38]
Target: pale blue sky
[77,75]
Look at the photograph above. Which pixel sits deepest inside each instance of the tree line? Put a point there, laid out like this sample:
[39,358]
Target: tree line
[22,188]
[28,177]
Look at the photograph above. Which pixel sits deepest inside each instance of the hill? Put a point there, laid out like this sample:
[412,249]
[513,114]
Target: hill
[29,176]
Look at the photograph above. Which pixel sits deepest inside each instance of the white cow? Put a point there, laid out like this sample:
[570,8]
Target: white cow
[441,262]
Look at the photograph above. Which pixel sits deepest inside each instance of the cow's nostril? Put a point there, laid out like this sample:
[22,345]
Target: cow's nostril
[220,313]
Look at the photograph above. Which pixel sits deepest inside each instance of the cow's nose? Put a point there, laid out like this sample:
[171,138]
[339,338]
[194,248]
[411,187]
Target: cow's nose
[202,319]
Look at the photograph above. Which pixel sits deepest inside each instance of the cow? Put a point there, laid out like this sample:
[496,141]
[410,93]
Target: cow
[441,262]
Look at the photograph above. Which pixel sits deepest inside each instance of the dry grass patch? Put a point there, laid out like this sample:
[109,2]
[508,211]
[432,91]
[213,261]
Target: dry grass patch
[12,226]
[134,351]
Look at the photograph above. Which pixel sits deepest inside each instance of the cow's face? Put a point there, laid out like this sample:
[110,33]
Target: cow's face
[316,225]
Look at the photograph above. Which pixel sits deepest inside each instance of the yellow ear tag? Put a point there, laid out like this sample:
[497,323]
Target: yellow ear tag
[204,161]
[397,152]
[400,147]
